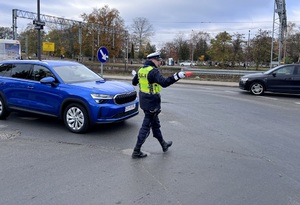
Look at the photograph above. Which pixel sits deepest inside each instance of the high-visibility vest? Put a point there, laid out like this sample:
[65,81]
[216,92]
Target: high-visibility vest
[144,84]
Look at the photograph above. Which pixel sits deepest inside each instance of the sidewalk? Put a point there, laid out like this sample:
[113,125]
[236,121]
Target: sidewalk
[183,81]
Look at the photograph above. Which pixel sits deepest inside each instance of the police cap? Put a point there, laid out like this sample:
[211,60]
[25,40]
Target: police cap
[155,56]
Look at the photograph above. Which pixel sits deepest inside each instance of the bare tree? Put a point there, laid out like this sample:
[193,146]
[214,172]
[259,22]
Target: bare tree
[237,54]
[182,45]
[200,42]
[142,30]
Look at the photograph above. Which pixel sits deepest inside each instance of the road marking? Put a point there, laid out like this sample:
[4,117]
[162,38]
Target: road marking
[3,126]
[229,91]
[175,122]
[267,98]
[297,103]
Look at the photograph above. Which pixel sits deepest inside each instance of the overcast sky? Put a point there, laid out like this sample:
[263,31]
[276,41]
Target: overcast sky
[167,17]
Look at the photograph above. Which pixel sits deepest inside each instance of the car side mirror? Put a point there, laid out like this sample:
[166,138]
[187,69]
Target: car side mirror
[274,74]
[48,80]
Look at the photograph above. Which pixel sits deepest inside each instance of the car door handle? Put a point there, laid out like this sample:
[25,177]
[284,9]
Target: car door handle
[288,78]
[30,87]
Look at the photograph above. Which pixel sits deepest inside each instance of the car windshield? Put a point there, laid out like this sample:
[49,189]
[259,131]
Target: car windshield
[76,73]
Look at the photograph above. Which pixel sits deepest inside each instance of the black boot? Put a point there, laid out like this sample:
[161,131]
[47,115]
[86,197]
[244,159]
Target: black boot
[138,154]
[165,145]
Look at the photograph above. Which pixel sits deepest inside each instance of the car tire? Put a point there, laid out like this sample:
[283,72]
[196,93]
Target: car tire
[257,88]
[3,110]
[76,118]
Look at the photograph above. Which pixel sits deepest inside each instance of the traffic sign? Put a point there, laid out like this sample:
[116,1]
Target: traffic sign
[102,54]
[48,46]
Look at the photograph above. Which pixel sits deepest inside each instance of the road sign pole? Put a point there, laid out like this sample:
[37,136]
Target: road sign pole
[101,69]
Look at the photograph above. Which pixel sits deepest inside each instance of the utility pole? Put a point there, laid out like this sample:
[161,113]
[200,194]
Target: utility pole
[39,25]
[14,23]
[39,31]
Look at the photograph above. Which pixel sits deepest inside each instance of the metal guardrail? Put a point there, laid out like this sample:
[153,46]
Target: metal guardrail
[219,71]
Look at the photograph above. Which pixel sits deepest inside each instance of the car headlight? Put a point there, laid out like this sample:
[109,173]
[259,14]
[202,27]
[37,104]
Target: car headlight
[244,80]
[101,98]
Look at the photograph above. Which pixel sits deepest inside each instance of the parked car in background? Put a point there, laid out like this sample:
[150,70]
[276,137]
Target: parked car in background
[66,90]
[283,79]
[187,63]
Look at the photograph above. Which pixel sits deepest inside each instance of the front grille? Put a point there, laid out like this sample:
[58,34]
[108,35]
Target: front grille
[125,98]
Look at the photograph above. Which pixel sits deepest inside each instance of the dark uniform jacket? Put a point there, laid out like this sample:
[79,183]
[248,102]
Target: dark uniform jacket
[151,102]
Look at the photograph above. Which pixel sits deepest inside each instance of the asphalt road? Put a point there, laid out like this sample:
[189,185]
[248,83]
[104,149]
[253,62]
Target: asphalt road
[229,147]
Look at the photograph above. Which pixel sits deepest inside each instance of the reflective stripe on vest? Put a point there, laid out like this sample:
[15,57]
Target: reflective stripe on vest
[144,84]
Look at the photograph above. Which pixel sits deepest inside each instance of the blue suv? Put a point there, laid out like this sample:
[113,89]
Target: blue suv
[66,90]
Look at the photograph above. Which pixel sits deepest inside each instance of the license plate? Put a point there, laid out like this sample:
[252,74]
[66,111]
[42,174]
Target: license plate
[129,107]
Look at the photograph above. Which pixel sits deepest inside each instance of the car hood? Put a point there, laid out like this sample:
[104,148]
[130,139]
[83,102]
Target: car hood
[108,87]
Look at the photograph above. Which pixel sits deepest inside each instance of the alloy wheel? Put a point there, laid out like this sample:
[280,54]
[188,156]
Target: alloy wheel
[75,118]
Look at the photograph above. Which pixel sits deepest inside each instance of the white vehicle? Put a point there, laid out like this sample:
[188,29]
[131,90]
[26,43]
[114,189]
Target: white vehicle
[170,61]
[187,63]
[10,49]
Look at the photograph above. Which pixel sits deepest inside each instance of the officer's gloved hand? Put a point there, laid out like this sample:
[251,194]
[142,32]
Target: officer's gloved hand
[179,75]
[133,72]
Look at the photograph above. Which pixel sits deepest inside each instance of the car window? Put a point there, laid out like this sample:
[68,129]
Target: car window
[5,69]
[20,70]
[287,70]
[40,72]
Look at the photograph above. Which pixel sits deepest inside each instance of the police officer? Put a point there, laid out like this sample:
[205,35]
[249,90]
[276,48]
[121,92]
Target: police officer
[150,84]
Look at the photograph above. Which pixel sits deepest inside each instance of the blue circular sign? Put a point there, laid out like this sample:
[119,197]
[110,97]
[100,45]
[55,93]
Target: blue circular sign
[102,54]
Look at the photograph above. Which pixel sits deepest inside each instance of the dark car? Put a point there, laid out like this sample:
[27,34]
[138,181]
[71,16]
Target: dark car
[66,90]
[281,79]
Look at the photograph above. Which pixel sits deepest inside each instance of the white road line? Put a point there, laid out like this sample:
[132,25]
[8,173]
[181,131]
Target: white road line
[229,91]
[268,98]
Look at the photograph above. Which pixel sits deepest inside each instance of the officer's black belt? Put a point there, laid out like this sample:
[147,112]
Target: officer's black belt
[150,93]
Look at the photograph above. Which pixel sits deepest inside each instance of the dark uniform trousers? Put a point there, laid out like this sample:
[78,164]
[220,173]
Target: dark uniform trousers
[151,121]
